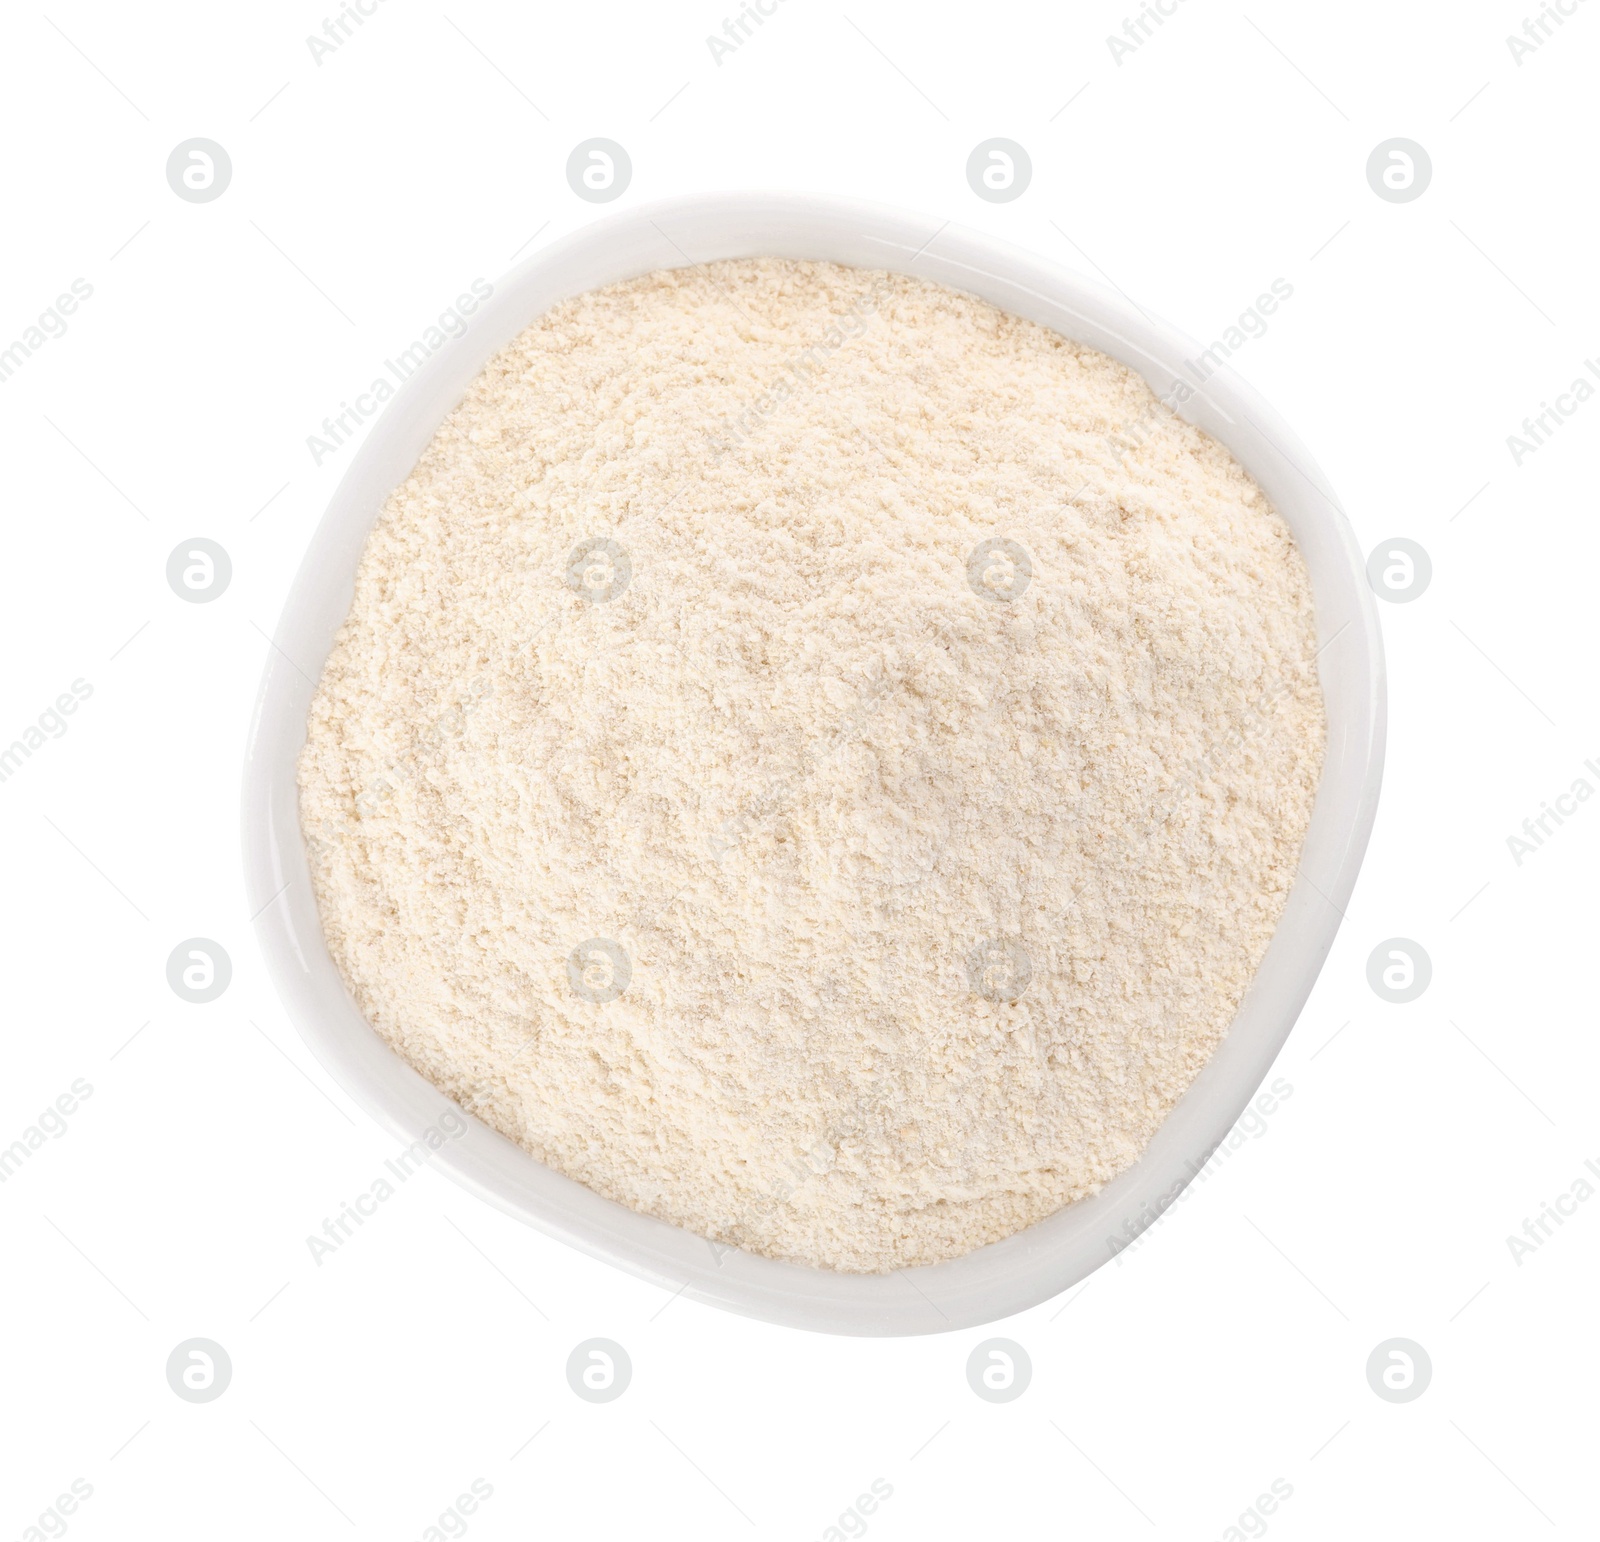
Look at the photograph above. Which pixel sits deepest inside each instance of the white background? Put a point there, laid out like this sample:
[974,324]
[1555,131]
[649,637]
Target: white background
[1229,1348]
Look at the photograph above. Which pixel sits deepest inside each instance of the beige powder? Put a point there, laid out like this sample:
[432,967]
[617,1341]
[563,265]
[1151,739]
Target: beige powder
[930,871]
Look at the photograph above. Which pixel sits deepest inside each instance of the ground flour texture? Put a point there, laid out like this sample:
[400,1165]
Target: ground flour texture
[814,758]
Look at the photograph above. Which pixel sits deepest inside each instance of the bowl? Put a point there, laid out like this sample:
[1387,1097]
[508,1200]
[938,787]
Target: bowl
[1003,1277]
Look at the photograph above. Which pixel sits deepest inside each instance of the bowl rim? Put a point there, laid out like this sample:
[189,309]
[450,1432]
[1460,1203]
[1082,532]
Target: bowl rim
[1048,1257]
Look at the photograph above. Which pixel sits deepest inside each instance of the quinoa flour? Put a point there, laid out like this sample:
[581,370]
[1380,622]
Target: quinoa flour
[800,763]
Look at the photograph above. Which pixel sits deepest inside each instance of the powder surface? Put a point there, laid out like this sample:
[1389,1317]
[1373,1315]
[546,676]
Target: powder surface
[814,758]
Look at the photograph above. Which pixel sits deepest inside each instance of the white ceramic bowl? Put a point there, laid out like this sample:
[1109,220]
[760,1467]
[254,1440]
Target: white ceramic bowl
[1004,1277]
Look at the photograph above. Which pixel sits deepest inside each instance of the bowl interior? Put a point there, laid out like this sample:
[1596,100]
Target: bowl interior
[1004,1277]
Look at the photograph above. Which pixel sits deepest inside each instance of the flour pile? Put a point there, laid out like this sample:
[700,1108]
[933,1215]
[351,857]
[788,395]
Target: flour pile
[814,758]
